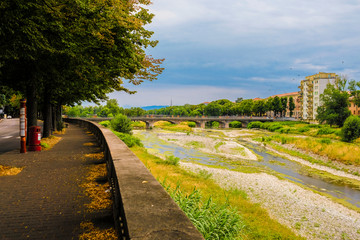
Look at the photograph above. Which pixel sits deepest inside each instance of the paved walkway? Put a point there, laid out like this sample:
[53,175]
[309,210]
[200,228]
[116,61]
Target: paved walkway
[45,201]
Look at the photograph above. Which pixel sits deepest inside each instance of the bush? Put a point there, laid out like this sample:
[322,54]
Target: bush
[121,123]
[325,130]
[235,124]
[266,125]
[105,123]
[213,220]
[315,126]
[191,124]
[274,127]
[351,129]
[215,124]
[255,124]
[304,129]
[171,160]
[128,139]
[325,140]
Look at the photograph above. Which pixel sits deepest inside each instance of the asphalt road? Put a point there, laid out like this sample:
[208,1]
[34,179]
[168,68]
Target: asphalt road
[9,135]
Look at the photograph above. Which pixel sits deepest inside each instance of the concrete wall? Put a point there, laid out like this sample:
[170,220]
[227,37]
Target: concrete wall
[142,208]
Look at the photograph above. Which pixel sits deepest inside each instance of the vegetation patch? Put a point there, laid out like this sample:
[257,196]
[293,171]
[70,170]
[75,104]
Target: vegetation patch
[181,127]
[255,221]
[90,232]
[213,220]
[195,144]
[9,171]
[49,142]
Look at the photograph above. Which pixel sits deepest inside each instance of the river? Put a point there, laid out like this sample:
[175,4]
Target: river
[290,170]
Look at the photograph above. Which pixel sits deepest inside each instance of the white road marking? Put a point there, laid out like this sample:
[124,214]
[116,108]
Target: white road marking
[6,137]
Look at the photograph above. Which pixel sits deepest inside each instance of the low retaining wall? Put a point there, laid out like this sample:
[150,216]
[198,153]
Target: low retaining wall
[142,209]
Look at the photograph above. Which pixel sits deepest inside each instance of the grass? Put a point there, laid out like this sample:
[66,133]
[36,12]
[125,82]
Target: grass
[213,220]
[256,221]
[49,142]
[347,153]
[9,171]
[195,144]
[181,127]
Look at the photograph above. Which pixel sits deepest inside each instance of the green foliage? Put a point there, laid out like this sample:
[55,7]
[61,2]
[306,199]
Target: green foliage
[128,139]
[325,140]
[44,145]
[235,124]
[204,174]
[191,124]
[106,123]
[325,131]
[255,124]
[213,220]
[274,127]
[334,110]
[121,123]
[351,129]
[303,129]
[171,160]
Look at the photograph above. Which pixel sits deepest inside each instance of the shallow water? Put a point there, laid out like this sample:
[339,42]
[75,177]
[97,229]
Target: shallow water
[288,169]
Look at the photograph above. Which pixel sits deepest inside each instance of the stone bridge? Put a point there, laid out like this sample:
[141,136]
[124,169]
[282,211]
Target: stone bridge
[200,121]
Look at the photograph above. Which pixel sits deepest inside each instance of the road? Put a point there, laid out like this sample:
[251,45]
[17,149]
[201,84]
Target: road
[9,135]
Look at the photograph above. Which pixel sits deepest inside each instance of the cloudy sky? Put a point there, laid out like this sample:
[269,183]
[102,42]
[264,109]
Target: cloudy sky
[246,48]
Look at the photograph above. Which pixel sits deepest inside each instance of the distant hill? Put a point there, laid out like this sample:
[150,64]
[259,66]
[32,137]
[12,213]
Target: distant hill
[153,107]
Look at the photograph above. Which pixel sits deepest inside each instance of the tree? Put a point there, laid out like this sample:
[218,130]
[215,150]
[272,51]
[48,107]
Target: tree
[213,109]
[276,105]
[354,88]
[351,129]
[291,106]
[239,99]
[63,52]
[284,105]
[334,109]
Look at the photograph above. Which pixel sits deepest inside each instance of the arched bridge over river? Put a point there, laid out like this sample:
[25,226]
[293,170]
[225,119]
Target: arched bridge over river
[201,121]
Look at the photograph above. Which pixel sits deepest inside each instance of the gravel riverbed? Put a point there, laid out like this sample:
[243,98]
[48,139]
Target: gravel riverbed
[311,215]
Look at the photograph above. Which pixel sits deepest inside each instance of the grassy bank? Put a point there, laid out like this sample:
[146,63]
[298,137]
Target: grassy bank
[322,140]
[255,220]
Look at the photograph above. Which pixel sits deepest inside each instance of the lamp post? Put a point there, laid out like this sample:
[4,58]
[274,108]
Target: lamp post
[23,126]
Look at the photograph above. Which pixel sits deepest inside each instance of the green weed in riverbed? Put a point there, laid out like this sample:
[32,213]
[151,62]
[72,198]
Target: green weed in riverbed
[170,160]
[195,144]
[258,224]
[213,220]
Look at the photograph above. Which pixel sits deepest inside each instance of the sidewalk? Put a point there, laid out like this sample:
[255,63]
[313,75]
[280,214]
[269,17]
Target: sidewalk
[45,201]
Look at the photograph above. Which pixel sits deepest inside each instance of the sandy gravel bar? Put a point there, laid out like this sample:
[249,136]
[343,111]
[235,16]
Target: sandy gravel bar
[311,215]
[228,149]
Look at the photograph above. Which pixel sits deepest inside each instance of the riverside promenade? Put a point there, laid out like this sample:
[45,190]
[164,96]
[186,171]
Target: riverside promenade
[45,200]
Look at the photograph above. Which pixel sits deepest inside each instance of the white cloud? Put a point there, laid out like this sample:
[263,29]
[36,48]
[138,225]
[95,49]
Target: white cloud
[179,95]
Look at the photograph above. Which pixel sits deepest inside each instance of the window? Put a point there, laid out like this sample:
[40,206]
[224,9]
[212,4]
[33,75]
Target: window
[316,93]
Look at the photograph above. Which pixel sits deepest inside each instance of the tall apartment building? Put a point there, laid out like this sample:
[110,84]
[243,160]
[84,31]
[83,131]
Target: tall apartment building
[310,90]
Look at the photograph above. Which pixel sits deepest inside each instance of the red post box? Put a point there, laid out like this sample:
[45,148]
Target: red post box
[34,138]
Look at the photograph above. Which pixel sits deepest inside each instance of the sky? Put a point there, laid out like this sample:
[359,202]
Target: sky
[246,48]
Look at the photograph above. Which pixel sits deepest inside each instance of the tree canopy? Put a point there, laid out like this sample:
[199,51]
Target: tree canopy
[63,52]
[334,104]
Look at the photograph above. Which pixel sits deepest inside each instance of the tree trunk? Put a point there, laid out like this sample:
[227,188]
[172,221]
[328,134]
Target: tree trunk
[31,106]
[54,118]
[47,114]
[59,122]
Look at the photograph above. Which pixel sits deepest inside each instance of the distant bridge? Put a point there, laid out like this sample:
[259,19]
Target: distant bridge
[200,121]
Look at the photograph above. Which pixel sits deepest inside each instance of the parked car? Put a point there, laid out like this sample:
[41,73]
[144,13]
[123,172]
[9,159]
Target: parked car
[9,117]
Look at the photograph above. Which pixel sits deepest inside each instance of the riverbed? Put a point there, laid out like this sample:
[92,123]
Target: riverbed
[279,185]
